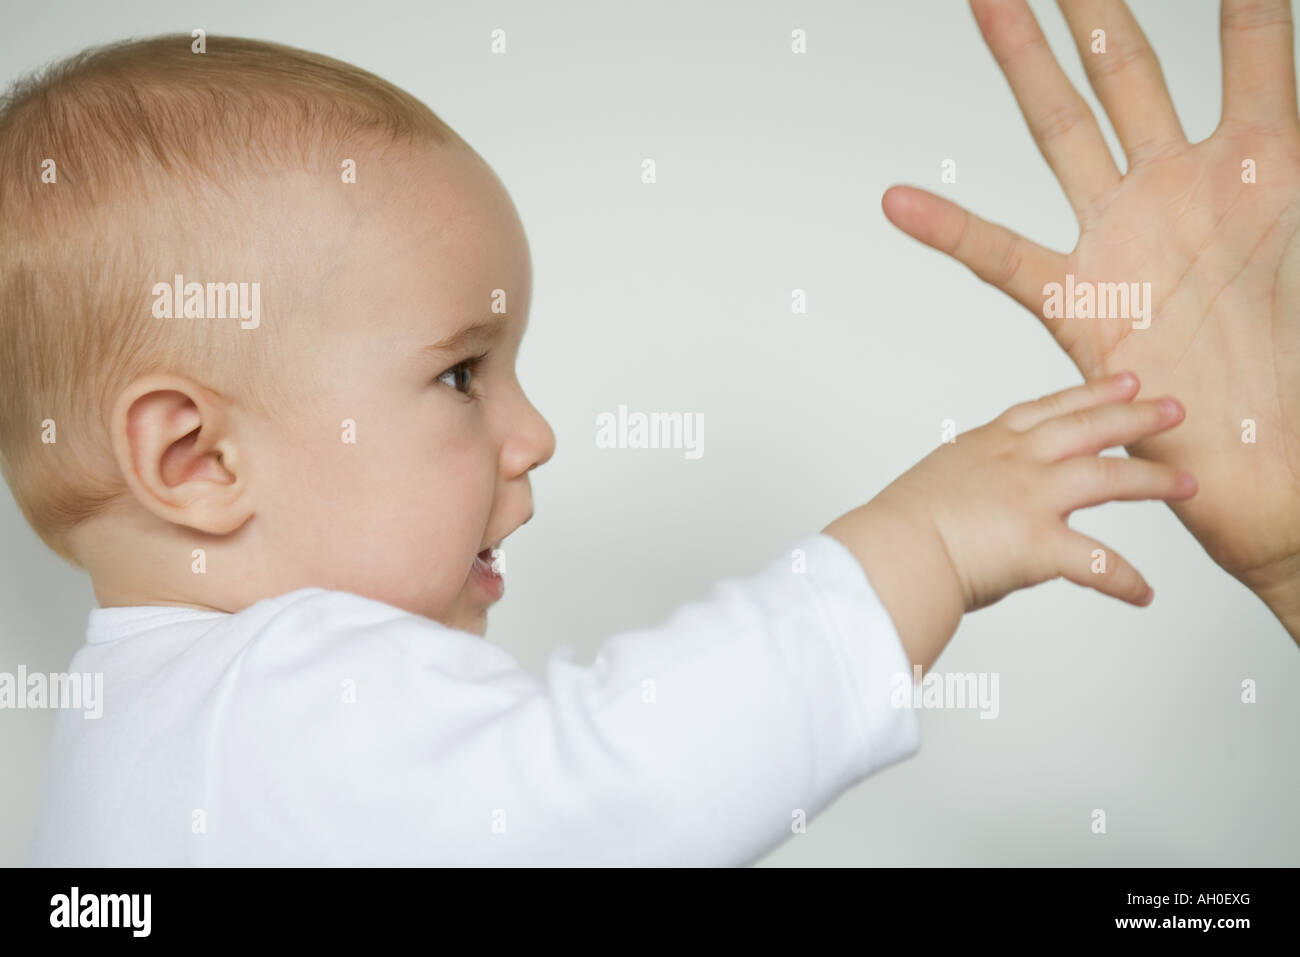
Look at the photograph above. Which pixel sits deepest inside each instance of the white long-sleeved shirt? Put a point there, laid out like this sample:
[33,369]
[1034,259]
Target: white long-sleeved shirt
[322,728]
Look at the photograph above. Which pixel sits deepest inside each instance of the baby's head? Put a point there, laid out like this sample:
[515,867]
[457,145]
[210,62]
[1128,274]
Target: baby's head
[344,414]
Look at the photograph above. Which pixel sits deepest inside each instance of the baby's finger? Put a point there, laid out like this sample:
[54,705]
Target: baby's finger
[1117,388]
[1087,480]
[1087,562]
[1089,431]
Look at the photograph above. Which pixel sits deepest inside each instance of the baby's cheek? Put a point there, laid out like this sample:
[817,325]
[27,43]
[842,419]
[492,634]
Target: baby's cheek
[425,549]
[396,515]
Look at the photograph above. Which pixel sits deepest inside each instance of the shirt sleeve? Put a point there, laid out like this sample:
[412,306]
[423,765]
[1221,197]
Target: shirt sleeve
[350,732]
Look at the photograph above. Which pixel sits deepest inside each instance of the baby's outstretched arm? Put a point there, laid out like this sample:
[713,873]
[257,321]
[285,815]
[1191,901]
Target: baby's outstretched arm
[348,731]
[986,515]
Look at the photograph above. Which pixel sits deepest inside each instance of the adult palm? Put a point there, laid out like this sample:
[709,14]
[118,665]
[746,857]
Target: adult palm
[1214,227]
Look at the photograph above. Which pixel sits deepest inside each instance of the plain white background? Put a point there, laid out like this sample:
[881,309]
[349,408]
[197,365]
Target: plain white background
[676,297]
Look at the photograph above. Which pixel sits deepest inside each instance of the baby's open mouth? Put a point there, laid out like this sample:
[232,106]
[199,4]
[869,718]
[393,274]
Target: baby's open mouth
[489,561]
[487,572]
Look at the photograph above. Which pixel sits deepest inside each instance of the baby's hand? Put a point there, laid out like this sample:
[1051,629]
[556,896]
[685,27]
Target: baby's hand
[986,515]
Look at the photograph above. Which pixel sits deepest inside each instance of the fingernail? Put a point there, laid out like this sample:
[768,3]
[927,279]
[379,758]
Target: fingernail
[1186,482]
[1126,380]
[1171,408]
[1149,597]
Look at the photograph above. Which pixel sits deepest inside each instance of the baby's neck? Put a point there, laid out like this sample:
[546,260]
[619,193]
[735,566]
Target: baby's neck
[133,559]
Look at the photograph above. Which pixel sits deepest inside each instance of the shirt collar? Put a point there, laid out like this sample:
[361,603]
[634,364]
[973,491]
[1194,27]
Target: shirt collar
[123,621]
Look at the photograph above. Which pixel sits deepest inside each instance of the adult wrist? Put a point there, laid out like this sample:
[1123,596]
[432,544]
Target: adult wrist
[1278,586]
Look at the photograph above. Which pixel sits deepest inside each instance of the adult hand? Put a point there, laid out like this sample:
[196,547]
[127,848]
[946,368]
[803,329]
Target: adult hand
[1214,227]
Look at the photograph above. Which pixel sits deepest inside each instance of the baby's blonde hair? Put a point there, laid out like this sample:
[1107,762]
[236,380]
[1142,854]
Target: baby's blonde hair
[142,135]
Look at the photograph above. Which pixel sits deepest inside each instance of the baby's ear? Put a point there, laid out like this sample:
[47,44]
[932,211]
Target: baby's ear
[173,443]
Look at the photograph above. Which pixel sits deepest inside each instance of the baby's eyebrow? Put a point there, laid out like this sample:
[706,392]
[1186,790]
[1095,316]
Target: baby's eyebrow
[485,330]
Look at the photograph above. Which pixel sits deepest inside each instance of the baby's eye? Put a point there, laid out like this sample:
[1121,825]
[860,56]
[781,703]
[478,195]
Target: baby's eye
[460,376]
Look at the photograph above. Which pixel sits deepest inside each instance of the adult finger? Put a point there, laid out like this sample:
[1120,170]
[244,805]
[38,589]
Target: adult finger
[1258,63]
[1004,259]
[1126,76]
[1059,119]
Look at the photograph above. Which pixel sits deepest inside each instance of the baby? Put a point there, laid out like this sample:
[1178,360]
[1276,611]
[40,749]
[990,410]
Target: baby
[260,316]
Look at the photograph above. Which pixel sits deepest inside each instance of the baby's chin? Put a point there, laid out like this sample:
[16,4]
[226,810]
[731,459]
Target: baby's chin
[463,612]
[464,616]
